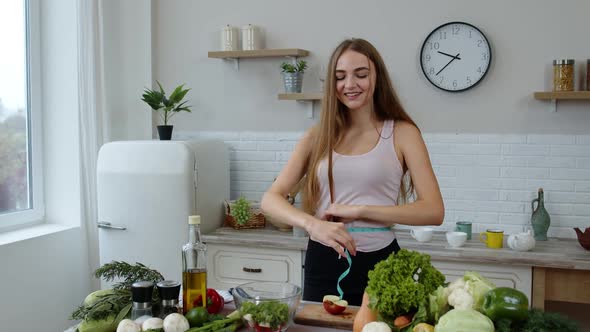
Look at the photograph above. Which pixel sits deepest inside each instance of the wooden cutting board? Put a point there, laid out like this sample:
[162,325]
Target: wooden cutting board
[315,315]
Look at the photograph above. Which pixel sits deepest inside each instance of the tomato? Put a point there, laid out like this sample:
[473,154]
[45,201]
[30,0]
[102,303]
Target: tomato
[215,302]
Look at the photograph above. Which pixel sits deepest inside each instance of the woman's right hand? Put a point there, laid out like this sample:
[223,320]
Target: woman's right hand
[332,234]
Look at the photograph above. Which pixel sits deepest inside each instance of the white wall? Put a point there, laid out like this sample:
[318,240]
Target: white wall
[126,38]
[489,179]
[43,281]
[525,36]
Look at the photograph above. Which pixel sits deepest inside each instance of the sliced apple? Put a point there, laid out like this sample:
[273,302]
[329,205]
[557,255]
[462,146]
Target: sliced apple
[334,305]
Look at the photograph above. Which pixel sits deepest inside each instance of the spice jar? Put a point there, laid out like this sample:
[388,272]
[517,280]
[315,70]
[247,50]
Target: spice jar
[563,75]
[169,294]
[141,295]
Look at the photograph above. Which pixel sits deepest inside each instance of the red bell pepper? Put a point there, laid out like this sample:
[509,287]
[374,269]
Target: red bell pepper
[215,302]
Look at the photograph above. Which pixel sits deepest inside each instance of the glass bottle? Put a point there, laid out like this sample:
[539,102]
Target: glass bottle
[169,291]
[540,218]
[141,295]
[194,270]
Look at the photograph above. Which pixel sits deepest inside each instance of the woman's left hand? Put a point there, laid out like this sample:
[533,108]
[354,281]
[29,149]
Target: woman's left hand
[344,213]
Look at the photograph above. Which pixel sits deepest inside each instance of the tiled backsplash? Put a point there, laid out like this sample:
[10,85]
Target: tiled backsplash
[487,179]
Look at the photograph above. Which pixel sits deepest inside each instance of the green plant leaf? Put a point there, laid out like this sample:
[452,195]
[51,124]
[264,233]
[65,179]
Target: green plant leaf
[153,98]
[166,106]
[178,94]
[298,67]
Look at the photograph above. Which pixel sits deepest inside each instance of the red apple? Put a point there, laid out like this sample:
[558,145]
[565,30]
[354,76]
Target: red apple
[334,305]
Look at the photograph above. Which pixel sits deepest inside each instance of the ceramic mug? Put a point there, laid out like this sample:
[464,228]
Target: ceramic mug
[422,234]
[494,238]
[465,227]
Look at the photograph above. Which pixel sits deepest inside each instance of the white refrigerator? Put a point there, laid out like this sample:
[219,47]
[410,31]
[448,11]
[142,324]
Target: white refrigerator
[146,191]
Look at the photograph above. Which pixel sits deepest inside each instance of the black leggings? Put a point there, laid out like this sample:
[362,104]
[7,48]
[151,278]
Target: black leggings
[322,269]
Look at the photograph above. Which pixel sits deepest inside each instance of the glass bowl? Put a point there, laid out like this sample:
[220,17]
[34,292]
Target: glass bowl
[266,300]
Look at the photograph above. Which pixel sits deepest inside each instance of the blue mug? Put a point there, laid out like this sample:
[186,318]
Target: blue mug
[465,227]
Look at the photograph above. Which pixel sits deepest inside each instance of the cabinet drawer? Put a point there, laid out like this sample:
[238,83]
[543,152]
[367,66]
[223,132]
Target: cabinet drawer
[229,265]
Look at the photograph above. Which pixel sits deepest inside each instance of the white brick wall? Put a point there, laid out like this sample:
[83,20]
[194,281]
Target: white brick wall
[487,179]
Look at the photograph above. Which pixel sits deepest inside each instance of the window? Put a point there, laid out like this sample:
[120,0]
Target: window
[21,183]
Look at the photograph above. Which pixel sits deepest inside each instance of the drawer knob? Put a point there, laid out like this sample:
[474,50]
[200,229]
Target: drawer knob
[249,269]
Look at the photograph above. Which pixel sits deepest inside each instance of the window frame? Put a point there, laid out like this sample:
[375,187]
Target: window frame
[36,213]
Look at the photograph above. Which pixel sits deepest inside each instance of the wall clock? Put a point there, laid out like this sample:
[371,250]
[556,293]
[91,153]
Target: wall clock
[456,56]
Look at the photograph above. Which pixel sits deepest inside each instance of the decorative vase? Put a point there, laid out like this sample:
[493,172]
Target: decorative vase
[293,82]
[165,132]
[540,218]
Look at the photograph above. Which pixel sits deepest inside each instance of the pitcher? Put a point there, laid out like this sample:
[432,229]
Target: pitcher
[540,218]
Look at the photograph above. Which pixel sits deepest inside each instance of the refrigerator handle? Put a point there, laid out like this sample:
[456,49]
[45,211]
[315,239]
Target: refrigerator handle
[104,224]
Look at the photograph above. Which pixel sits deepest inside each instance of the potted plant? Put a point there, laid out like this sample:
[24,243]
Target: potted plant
[293,75]
[166,106]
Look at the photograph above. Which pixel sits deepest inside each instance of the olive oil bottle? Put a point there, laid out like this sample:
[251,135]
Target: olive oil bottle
[194,267]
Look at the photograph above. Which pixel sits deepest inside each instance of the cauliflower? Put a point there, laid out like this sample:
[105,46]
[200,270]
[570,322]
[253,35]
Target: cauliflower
[460,299]
[458,283]
[467,292]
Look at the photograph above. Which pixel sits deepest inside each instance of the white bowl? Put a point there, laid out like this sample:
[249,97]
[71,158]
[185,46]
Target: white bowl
[456,239]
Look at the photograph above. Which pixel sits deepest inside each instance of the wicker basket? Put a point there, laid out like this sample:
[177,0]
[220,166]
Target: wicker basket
[256,220]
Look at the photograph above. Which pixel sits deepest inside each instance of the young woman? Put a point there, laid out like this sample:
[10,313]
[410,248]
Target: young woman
[354,162]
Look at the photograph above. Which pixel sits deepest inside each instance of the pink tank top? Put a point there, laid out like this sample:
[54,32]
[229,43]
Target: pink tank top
[372,178]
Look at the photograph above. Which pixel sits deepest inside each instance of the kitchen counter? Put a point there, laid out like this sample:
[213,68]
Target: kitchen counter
[554,253]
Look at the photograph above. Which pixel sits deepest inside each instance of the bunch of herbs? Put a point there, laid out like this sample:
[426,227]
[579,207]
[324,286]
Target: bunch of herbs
[117,301]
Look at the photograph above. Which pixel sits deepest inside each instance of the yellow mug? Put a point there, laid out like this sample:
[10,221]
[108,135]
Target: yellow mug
[494,238]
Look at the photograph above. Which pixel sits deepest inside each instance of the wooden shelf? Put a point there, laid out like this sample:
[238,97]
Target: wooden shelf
[563,95]
[265,53]
[309,97]
[306,96]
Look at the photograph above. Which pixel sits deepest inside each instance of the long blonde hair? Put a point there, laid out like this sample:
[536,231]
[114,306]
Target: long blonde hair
[335,119]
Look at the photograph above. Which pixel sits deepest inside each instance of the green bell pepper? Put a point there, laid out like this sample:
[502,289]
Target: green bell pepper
[505,302]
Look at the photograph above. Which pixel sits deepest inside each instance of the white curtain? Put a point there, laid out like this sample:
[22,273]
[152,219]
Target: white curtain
[92,118]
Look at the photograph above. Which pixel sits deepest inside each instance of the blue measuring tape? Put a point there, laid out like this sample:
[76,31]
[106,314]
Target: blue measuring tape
[349,259]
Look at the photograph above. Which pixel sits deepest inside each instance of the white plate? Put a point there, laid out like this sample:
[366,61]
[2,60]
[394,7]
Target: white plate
[226,295]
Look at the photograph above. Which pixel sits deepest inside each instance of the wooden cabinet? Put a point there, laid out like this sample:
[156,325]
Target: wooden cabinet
[232,265]
[565,285]
[514,276]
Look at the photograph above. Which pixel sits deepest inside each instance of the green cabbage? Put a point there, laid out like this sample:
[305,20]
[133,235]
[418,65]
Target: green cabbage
[437,303]
[477,286]
[401,283]
[464,320]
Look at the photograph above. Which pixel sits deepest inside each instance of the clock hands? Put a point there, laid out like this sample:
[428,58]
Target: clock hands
[449,55]
[453,59]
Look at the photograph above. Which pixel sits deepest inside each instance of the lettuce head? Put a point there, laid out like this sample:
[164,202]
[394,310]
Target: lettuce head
[401,283]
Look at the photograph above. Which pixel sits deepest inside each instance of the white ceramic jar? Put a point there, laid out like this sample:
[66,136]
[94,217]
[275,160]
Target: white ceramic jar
[229,38]
[251,37]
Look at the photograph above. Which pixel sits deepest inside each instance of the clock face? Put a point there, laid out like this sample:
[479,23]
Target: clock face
[455,56]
